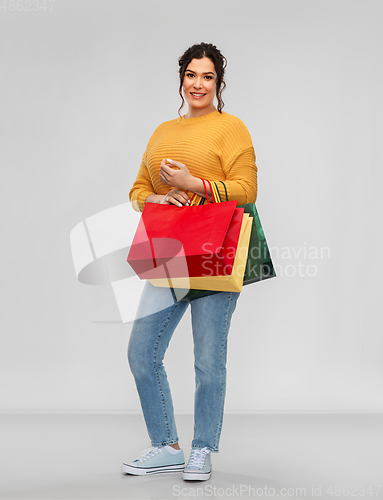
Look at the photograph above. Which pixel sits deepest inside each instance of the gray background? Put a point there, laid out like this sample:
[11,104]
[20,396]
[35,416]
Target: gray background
[84,85]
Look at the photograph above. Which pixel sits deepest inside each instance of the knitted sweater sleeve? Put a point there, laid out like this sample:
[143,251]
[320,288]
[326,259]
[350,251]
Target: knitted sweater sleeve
[142,186]
[238,163]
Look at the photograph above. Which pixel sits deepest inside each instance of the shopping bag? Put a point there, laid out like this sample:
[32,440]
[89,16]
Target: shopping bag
[259,265]
[231,283]
[180,240]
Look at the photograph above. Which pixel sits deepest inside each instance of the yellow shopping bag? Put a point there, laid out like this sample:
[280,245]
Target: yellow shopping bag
[230,283]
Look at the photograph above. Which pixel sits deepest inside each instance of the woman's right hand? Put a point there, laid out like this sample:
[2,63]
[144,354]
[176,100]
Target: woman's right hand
[176,197]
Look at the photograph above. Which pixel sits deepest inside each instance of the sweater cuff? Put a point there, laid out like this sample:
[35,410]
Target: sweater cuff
[235,190]
[138,202]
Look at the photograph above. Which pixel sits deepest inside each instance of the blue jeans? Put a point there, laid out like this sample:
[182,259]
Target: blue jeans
[158,315]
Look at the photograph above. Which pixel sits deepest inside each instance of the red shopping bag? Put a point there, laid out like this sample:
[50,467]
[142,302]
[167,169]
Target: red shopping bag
[193,241]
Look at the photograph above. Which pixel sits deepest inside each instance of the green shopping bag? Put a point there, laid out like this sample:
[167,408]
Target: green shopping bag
[259,265]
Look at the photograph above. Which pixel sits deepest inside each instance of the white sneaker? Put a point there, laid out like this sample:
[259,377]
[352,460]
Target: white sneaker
[156,460]
[199,465]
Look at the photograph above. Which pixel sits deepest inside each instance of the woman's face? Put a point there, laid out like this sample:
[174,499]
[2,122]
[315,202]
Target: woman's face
[199,85]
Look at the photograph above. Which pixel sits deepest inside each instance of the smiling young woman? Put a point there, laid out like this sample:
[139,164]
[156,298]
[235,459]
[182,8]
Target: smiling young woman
[205,143]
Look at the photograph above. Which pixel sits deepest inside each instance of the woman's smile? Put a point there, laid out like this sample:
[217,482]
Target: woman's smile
[197,96]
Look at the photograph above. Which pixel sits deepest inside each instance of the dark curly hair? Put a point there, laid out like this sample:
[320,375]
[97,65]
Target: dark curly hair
[198,51]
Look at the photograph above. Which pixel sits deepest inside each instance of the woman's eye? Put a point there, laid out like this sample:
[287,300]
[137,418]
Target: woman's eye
[209,77]
[189,75]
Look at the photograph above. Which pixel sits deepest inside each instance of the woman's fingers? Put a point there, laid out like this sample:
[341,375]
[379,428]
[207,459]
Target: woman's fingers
[174,201]
[164,178]
[178,197]
[174,163]
[182,196]
[166,170]
[177,200]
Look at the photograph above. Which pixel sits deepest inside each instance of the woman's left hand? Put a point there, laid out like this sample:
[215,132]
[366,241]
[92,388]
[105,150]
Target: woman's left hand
[179,177]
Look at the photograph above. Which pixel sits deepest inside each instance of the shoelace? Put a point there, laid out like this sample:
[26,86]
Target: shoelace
[149,453]
[198,457]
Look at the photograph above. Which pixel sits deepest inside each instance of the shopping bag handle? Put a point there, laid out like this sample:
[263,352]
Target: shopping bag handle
[216,194]
[213,192]
[224,186]
[207,196]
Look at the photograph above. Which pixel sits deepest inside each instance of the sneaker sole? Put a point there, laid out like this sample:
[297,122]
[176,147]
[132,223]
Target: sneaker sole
[140,471]
[196,476]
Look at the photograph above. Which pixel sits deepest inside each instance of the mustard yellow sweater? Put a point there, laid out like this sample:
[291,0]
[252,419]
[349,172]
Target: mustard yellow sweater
[216,146]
